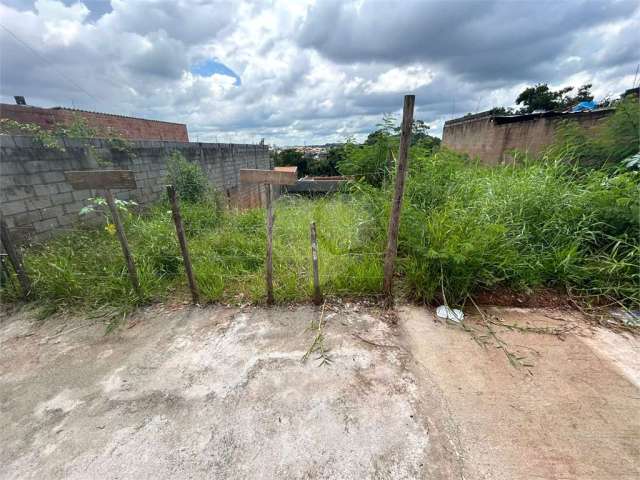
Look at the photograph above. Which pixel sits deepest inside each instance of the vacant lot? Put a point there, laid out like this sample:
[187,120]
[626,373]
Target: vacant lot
[222,393]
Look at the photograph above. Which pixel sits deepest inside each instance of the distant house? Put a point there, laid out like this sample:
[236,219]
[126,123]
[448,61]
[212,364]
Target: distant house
[493,138]
[131,128]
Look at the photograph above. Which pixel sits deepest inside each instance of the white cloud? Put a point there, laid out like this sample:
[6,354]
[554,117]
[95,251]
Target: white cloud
[401,79]
[310,71]
[62,23]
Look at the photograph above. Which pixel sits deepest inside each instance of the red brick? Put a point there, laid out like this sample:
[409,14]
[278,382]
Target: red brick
[130,128]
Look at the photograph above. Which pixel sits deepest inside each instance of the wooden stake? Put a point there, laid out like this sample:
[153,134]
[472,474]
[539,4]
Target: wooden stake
[394,220]
[177,219]
[317,295]
[131,267]
[269,260]
[15,258]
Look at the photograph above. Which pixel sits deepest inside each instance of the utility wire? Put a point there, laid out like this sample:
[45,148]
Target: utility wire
[44,59]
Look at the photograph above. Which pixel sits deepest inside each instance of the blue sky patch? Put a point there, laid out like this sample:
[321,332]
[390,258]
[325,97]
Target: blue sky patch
[209,67]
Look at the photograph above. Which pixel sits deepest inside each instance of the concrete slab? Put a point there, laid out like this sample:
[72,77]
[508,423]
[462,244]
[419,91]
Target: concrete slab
[575,414]
[212,393]
[222,393]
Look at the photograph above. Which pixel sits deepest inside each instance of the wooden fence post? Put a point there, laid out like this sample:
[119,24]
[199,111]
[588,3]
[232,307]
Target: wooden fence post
[269,260]
[131,267]
[317,295]
[15,258]
[278,176]
[394,220]
[182,239]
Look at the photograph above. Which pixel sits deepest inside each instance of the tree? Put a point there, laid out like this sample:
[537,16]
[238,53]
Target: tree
[501,111]
[541,97]
[389,131]
[326,165]
[584,93]
[290,157]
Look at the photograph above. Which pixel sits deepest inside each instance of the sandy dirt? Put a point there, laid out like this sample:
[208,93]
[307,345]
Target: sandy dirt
[222,393]
[573,414]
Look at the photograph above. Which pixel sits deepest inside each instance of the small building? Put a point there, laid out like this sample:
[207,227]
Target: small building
[130,128]
[493,138]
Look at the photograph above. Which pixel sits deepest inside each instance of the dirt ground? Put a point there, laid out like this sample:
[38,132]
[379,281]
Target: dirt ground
[222,393]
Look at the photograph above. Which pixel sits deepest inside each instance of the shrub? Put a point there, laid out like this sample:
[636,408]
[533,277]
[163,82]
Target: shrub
[188,178]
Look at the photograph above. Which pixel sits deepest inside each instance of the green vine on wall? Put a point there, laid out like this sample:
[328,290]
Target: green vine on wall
[77,129]
[41,136]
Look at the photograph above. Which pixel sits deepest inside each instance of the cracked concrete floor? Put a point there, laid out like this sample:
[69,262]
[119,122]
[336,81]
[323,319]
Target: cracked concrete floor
[222,393]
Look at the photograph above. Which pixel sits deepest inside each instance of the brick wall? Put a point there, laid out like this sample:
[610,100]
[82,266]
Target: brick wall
[492,139]
[128,127]
[37,201]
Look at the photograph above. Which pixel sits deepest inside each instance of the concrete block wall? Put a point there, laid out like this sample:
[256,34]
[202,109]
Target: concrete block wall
[37,201]
[492,139]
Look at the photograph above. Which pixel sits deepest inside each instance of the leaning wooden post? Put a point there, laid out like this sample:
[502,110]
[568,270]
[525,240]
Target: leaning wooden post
[15,258]
[394,220]
[177,219]
[269,259]
[106,180]
[317,295]
[131,267]
[277,176]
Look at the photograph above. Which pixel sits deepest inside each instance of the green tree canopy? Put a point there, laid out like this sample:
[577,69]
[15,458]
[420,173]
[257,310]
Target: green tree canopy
[541,97]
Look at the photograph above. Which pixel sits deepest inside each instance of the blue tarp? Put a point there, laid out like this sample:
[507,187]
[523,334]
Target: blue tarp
[585,107]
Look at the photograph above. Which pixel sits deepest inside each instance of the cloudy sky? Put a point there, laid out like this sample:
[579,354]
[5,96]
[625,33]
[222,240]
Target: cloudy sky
[294,71]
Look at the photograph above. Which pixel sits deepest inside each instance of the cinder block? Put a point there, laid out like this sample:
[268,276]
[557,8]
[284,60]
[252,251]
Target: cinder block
[73,208]
[37,203]
[81,195]
[18,192]
[11,224]
[61,198]
[45,190]
[52,212]
[6,141]
[11,168]
[67,219]
[24,141]
[64,187]
[52,177]
[11,208]
[46,225]
[36,166]
[27,218]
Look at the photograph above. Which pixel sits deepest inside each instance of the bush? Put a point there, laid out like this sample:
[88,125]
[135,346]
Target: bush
[190,181]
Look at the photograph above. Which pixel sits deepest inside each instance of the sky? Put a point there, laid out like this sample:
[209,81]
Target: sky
[300,72]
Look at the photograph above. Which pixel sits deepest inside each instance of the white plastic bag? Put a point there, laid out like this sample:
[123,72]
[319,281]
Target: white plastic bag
[452,314]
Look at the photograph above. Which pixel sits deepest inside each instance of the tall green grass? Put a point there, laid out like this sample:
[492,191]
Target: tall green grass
[467,228]
[85,269]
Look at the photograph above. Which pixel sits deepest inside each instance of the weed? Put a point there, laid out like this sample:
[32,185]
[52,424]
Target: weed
[188,178]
